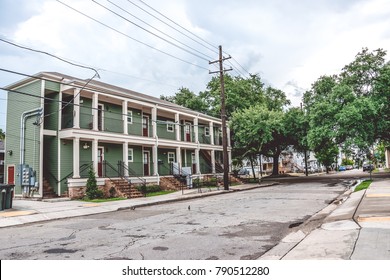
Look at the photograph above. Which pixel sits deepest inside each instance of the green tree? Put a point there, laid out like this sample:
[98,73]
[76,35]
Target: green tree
[93,191]
[186,98]
[2,135]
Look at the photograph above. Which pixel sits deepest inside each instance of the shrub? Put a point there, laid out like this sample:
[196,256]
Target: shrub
[148,189]
[93,191]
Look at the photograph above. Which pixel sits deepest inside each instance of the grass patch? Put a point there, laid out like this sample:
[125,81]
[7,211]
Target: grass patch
[99,200]
[158,193]
[363,185]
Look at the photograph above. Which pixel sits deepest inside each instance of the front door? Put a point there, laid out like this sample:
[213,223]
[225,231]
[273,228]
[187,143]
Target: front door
[100,159]
[145,126]
[187,131]
[11,175]
[146,163]
[193,160]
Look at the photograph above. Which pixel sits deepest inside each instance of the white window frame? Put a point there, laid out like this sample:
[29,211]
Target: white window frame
[170,127]
[130,155]
[207,131]
[130,116]
[171,157]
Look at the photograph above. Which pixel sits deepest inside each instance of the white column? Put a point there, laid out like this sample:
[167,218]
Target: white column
[230,160]
[76,157]
[178,156]
[212,161]
[155,159]
[177,126]
[196,130]
[211,125]
[228,136]
[154,121]
[76,109]
[126,157]
[94,148]
[124,119]
[95,112]
[197,161]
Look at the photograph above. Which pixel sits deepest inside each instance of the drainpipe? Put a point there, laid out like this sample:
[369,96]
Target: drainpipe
[23,118]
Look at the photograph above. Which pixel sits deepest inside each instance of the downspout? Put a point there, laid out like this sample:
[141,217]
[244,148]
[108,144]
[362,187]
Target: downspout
[23,118]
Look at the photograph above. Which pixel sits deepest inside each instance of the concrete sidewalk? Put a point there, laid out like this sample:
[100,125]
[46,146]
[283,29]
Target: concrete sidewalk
[357,227]
[30,211]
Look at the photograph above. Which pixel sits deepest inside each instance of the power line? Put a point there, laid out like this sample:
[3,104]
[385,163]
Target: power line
[124,34]
[181,32]
[49,54]
[158,30]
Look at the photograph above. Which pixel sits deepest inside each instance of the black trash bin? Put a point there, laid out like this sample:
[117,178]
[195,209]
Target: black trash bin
[7,195]
[2,198]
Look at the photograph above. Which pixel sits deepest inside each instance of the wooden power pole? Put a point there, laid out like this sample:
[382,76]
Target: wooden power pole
[223,117]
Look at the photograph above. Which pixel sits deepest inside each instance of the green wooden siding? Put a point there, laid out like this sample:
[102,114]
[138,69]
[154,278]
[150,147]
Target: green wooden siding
[164,168]
[86,118]
[51,111]
[52,86]
[67,112]
[113,118]
[18,103]
[162,129]
[136,166]
[50,161]
[135,128]
[66,147]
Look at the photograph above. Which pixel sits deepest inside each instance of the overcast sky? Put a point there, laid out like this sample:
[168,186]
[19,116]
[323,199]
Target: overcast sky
[290,44]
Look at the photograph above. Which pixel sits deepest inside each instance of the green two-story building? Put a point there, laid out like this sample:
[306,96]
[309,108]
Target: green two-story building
[58,127]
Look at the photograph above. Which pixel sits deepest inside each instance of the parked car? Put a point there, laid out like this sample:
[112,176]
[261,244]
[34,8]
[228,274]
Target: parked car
[349,167]
[342,168]
[368,167]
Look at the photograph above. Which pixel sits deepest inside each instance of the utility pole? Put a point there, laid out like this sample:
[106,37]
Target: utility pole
[223,117]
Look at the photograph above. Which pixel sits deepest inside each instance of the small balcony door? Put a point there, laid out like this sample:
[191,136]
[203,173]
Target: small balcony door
[187,132]
[145,126]
[146,161]
[100,159]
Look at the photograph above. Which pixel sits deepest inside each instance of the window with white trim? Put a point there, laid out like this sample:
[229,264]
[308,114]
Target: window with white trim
[171,157]
[207,131]
[130,156]
[170,127]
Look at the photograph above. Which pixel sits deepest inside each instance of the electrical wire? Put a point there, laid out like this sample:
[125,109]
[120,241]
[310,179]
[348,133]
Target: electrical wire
[174,28]
[52,55]
[126,35]
[154,28]
[193,34]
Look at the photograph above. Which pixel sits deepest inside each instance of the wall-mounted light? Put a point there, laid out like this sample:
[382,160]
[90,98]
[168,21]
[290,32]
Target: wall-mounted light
[85,146]
[10,152]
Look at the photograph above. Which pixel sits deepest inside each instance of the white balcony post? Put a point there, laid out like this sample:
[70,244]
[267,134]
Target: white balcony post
[76,108]
[177,126]
[76,157]
[95,155]
[126,157]
[213,161]
[154,121]
[95,102]
[211,125]
[155,159]
[196,130]
[197,161]
[124,118]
